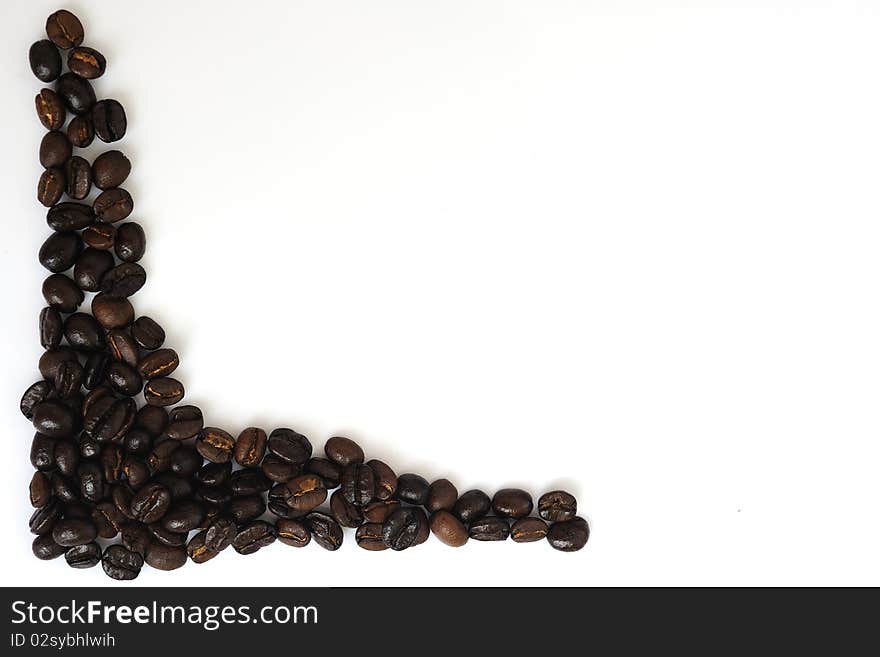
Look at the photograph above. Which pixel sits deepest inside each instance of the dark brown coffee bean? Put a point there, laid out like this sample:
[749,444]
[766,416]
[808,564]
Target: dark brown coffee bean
[50,109]
[45,60]
[197,551]
[69,216]
[44,548]
[369,537]
[326,532]
[95,369]
[248,481]
[100,235]
[290,446]
[179,487]
[66,455]
[51,328]
[70,532]
[442,495]
[214,444]
[379,511]
[343,451]
[569,535]
[184,516]
[76,93]
[512,503]
[528,530]
[327,470]
[490,528]
[60,251]
[83,556]
[91,267]
[165,536]
[124,280]
[64,29]
[412,488]
[80,131]
[122,564]
[51,187]
[122,347]
[130,242]
[83,332]
[214,474]
[108,118]
[246,508]
[152,419]
[91,481]
[184,422]
[124,379]
[136,538]
[35,394]
[42,452]
[108,519]
[159,458]
[150,503]
[258,534]
[54,419]
[78,174]
[137,473]
[250,446]
[557,506]
[472,505]
[220,534]
[358,484]
[404,527]
[165,557]
[386,480]
[449,529]
[65,489]
[89,448]
[68,379]
[161,362]
[292,532]
[55,150]
[279,470]
[43,519]
[113,205]
[109,420]
[87,63]
[344,512]
[113,312]
[110,169]
[305,492]
[147,333]
[51,358]
[40,490]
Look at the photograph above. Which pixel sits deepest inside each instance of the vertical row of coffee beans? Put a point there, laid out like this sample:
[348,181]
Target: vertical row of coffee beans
[125,474]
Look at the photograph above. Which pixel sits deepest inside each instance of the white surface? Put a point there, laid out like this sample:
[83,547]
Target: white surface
[618,247]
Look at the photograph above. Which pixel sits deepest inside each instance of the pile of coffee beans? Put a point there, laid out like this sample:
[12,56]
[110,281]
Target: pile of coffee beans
[119,458]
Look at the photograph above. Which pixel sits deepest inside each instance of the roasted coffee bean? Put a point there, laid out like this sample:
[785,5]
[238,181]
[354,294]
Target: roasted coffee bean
[80,131]
[472,505]
[152,419]
[137,443]
[147,332]
[250,446]
[43,452]
[109,423]
[112,458]
[290,446]
[68,379]
[186,461]
[197,551]
[124,280]
[40,490]
[50,109]
[528,530]
[76,531]
[113,205]
[358,484]
[87,63]
[45,60]
[87,555]
[441,495]
[64,29]
[327,470]
[159,459]
[249,481]
[91,267]
[569,535]
[43,519]
[66,456]
[95,369]
[413,489]
[344,512]
[343,451]
[121,563]
[122,347]
[165,557]
[108,119]
[76,93]
[214,474]
[379,511]
[45,548]
[180,488]
[326,532]
[64,489]
[305,492]
[490,528]
[213,443]
[110,169]
[136,471]
[100,235]
[130,242]
[89,448]
[55,150]
[76,511]
[402,528]
[369,536]
[52,358]
[254,536]
[449,529]
[386,479]
[512,503]
[83,332]
[161,362]
[279,470]
[246,508]
[53,419]
[108,520]
[184,422]
[136,538]
[69,216]
[51,328]
[60,251]
[51,187]
[557,506]
[220,534]
[91,481]
[36,393]
[166,391]
[150,503]
[184,516]
[78,174]
[121,496]
[124,379]
[292,532]
[112,312]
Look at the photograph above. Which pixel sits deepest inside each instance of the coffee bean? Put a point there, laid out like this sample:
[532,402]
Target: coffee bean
[66,456]
[95,369]
[220,534]
[130,242]
[110,169]
[83,556]
[369,537]
[569,535]
[87,63]
[122,347]
[214,474]
[379,511]
[114,312]
[402,528]
[44,548]
[54,419]
[254,536]
[183,517]
[557,506]
[83,332]
[55,149]
[108,119]
[78,174]
[121,563]
[326,532]
[113,205]
[89,448]
[246,508]
[68,379]
[45,60]
[250,446]
[147,333]
[279,470]
[152,419]
[290,446]
[512,503]
[412,488]
[138,442]
[343,451]
[180,488]
[490,528]
[344,512]
[248,481]
[124,379]
[159,459]
[327,470]
[184,422]
[472,505]
[358,484]
[69,216]
[35,394]
[65,490]
[150,503]
[76,93]
[305,492]
[441,495]
[124,280]
[449,529]
[165,557]
[91,267]
[51,328]
[51,186]
[109,420]
[197,551]
[161,362]
[40,490]
[91,481]
[528,530]
[60,251]
[80,131]
[42,520]
[64,29]
[214,444]
[50,109]
[136,538]
[108,520]
[70,532]
[52,358]
[292,532]
[100,235]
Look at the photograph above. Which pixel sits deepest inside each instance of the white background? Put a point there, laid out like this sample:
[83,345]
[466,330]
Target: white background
[625,248]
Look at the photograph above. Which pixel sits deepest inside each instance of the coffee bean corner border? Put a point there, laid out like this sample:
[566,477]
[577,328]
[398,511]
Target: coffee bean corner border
[123,482]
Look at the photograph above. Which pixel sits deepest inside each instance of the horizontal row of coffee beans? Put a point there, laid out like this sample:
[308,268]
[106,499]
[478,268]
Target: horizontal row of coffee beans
[152,476]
